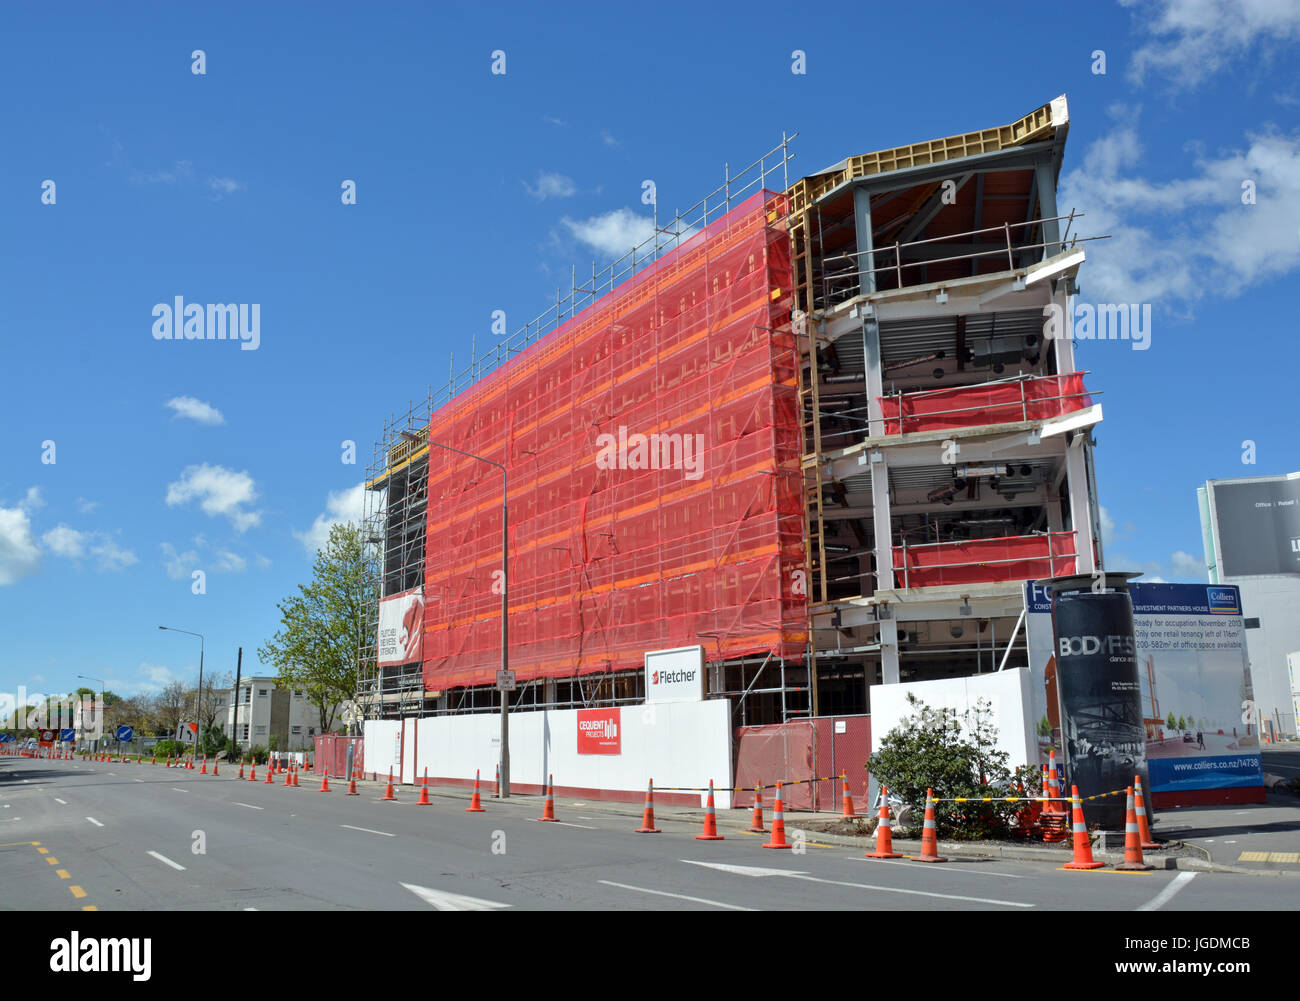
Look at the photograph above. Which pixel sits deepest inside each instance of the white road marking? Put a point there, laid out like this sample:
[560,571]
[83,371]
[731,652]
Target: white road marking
[164,858]
[678,896]
[178,789]
[112,773]
[137,780]
[94,821]
[369,831]
[1167,894]
[250,908]
[26,780]
[924,865]
[562,823]
[441,900]
[249,805]
[757,871]
[56,799]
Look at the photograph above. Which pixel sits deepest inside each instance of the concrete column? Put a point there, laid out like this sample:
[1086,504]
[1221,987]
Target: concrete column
[889,651]
[1082,517]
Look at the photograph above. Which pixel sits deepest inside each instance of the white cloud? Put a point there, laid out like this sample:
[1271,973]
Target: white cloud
[19,553]
[608,139]
[195,410]
[1186,565]
[86,506]
[225,185]
[1176,241]
[231,562]
[552,120]
[179,565]
[219,491]
[32,501]
[1196,38]
[68,542]
[341,507]
[551,185]
[183,171]
[614,233]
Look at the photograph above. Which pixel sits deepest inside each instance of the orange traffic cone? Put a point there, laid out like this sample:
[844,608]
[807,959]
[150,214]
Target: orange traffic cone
[884,834]
[204,769]
[710,832]
[548,811]
[270,774]
[293,774]
[1053,777]
[1144,829]
[1082,845]
[424,790]
[496,788]
[155,759]
[756,823]
[475,805]
[388,796]
[778,823]
[214,767]
[352,784]
[929,834]
[648,816]
[848,797]
[241,769]
[252,772]
[1132,841]
[325,782]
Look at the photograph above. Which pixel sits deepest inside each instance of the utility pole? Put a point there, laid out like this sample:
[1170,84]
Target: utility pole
[234,723]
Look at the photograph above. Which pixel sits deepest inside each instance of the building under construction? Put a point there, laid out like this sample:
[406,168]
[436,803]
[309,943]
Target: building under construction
[818,427]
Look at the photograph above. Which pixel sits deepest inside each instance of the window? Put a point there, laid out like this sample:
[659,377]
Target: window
[297,694]
[1252,623]
[261,730]
[295,729]
[248,694]
[261,692]
[243,735]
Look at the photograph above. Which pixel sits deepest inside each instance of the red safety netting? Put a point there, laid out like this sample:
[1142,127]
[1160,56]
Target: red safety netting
[652,446]
[997,403]
[1015,557]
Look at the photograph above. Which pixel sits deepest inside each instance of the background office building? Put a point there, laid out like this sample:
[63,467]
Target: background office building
[1251,529]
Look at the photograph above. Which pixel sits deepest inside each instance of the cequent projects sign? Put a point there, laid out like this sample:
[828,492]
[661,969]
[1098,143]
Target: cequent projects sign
[675,675]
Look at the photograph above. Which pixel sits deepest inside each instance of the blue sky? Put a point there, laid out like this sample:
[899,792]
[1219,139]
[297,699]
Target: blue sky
[476,192]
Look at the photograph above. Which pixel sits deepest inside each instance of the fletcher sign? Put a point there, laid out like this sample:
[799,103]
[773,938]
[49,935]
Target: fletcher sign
[675,675]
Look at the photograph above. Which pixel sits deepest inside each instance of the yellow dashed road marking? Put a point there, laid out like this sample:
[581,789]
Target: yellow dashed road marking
[43,851]
[63,874]
[90,907]
[77,892]
[1284,856]
[1253,857]
[52,860]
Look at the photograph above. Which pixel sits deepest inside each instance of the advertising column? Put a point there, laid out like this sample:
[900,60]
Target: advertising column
[1098,690]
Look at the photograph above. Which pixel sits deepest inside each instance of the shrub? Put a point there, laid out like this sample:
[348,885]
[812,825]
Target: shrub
[956,756]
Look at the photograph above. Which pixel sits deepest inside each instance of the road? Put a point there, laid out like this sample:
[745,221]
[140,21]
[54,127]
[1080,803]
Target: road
[1281,759]
[126,837]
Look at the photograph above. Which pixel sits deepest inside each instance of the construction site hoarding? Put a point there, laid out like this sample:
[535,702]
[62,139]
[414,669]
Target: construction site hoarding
[651,449]
[1257,525]
[1037,399]
[1201,744]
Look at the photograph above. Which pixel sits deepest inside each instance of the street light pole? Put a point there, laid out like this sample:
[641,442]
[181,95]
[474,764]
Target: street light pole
[505,613]
[198,696]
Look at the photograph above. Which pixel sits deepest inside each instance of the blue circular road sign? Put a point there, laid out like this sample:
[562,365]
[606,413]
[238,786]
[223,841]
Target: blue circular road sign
[66,735]
[125,733]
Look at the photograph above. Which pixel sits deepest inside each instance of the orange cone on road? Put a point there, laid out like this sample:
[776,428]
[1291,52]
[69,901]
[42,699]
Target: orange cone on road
[1144,828]
[294,774]
[756,823]
[1082,845]
[496,787]
[710,832]
[475,805]
[929,834]
[648,815]
[848,797]
[424,790]
[1132,841]
[270,774]
[778,823]
[1054,778]
[252,771]
[204,769]
[352,784]
[214,767]
[548,811]
[884,834]
[388,796]
[241,769]
[325,782]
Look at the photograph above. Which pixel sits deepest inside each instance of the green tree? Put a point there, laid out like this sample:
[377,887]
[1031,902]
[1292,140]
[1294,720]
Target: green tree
[1173,723]
[954,755]
[1182,723]
[319,641]
[1044,727]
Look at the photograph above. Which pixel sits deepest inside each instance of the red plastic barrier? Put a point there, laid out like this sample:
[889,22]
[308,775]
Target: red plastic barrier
[973,561]
[997,403]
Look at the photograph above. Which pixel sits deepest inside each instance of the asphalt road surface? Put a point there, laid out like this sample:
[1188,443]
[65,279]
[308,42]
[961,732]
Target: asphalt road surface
[127,837]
